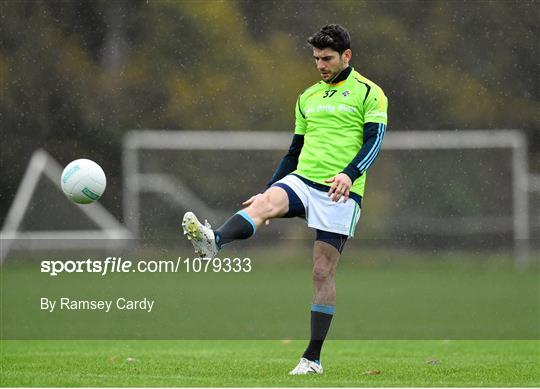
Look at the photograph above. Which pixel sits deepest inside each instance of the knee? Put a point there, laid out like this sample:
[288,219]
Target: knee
[322,271]
[262,205]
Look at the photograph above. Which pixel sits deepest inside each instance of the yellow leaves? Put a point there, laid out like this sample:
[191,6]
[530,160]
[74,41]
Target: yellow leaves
[212,64]
[222,20]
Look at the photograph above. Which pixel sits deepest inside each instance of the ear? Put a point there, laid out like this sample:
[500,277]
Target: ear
[347,55]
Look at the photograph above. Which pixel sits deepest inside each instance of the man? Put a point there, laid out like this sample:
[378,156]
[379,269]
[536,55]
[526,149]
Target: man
[339,129]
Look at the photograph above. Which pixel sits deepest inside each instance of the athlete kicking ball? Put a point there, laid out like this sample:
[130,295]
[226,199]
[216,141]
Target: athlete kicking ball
[339,129]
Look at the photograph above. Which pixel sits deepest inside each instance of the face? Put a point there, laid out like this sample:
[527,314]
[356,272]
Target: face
[330,63]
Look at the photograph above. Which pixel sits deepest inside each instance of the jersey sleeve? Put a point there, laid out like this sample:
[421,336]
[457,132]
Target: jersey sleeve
[376,107]
[375,121]
[300,123]
[373,138]
[290,161]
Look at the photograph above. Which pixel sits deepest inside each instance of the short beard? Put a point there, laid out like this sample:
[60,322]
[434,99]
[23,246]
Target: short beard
[343,66]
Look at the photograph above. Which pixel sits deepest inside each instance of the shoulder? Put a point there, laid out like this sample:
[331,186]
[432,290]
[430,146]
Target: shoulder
[367,88]
[311,90]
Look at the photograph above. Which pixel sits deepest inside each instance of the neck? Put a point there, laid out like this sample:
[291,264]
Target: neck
[341,75]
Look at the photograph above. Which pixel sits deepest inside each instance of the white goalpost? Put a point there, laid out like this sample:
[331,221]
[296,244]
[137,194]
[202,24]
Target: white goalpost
[137,182]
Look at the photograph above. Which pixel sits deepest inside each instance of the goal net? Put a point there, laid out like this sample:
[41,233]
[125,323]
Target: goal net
[427,190]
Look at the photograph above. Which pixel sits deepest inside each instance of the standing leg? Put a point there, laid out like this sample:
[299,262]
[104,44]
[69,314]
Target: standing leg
[326,254]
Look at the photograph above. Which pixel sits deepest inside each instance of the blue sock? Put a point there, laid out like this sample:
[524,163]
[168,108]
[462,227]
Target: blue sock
[238,226]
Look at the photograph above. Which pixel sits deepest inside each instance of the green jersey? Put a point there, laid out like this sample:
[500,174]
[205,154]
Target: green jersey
[332,117]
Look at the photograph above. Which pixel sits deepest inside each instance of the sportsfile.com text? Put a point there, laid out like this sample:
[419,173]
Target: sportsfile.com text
[112,265]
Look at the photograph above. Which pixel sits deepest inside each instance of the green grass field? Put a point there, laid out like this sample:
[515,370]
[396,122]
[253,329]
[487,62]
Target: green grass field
[266,363]
[381,295]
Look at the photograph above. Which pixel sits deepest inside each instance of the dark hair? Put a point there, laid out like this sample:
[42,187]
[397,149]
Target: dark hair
[331,36]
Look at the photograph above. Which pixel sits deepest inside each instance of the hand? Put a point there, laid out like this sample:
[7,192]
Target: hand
[341,185]
[250,201]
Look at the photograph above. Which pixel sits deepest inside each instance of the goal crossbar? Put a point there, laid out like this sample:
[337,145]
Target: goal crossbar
[266,140]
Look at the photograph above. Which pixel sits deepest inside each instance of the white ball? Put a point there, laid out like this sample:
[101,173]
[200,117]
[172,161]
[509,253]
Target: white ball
[83,181]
